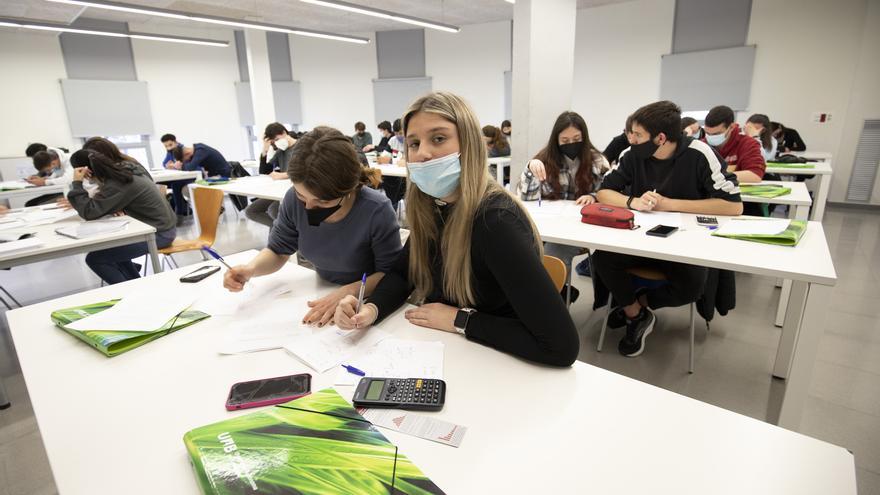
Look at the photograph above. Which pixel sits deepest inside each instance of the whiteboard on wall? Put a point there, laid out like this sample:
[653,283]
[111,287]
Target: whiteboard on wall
[288,102]
[107,108]
[704,79]
[393,96]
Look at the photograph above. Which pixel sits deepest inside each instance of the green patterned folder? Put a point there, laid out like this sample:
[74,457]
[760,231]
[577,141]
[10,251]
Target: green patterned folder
[790,165]
[212,182]
[764,190]
[317,444]
[788,237]
[117,342]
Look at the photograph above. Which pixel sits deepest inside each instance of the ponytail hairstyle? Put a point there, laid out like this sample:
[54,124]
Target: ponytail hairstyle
[326,163]
[765,136]
[452,240]
[101,166]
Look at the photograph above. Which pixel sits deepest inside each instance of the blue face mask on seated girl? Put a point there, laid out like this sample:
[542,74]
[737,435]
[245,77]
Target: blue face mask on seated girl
[437,177]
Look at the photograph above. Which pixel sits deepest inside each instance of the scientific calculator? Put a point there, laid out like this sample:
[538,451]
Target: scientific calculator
[423,394]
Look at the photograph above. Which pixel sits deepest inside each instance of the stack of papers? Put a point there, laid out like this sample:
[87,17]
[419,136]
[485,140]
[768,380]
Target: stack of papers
[11,185]
[137,313]
[259,292]
[20,245]
[396,358]
[91,229]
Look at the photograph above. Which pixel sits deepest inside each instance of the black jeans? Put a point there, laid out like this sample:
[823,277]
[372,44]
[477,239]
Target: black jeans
[685,283]
[180,205]
[114,265]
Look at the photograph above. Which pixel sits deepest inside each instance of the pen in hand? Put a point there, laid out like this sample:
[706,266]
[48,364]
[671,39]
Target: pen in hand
[361,295]
[216,256]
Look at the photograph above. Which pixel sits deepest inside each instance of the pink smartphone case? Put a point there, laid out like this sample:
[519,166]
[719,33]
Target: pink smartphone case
[267,402]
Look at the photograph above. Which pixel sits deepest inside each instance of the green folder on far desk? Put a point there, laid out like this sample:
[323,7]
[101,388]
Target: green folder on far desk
[764,190]
[111,343]
[790,165]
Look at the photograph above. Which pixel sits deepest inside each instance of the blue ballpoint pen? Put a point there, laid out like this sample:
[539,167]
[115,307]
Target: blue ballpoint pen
[353,370]
[216,256]
[361,294]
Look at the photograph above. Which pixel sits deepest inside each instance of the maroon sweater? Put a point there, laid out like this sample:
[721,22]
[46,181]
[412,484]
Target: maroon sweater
[743,152]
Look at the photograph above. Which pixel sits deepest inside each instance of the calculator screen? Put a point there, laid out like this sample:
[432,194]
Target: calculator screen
[375,390]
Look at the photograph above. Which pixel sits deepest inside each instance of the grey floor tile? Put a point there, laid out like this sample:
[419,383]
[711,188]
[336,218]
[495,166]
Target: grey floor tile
[868,482]
[847,387]
[26,466]
[854,430]
[852,326]
[849,352]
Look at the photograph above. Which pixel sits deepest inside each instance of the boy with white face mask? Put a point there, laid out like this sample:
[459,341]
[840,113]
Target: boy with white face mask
[265,211]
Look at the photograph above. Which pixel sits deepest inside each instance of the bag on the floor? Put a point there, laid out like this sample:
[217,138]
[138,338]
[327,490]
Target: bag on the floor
[608,216]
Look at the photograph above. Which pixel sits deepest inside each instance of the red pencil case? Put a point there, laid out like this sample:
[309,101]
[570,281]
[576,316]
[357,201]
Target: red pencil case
[608,216]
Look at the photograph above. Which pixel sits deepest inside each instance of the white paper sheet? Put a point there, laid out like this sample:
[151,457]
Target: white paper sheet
[92,229]
[218,301]
[396,358]
[12,223]
[20,245]
[417,425]
[263,334]
[9,185]
[43,217]
[746,227]
[332,346]
[547,208]
[144,312]
[649,220]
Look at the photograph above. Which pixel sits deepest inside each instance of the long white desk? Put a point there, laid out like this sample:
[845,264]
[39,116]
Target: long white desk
[16,195]
[808,265]
[259,186]
[816,155]
[823,170]
[798,199]
[531,429]
[56,245]
[166,175]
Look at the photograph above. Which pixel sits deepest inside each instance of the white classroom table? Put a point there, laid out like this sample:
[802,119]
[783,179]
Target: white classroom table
[816,155]
[531,428]
[28,193]
[166,175]
[500,162]
[798,199]
[808,265]
[390,170]
[257,186]
[56,245]
[823,170]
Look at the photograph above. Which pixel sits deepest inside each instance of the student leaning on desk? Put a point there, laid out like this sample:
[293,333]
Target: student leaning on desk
[473,255]
[343,228]
[663,171]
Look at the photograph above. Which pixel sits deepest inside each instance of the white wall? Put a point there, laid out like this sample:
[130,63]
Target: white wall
[472,64]
[336,82]
[807,59]
[617,62]
[30,92]
[192,93]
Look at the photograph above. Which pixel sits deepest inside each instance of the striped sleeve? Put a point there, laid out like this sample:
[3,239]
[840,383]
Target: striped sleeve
[716,181]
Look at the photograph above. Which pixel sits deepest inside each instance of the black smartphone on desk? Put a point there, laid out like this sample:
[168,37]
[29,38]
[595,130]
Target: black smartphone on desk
[200,274]
[662,231]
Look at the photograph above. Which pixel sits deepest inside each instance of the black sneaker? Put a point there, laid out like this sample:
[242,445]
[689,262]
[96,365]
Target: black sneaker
[617,318]
[637,330]
[575,293]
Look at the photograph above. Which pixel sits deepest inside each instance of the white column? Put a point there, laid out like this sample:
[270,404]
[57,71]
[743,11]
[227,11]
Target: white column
[543,72]
[261,79]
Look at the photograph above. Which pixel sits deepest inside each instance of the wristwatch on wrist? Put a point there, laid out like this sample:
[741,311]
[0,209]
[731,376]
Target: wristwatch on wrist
[629,202]
[529,174]
[462,318]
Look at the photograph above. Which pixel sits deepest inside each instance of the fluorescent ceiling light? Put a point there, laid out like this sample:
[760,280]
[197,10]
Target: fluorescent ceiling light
[384,14]
[510,1]
[43,26]
[121,7]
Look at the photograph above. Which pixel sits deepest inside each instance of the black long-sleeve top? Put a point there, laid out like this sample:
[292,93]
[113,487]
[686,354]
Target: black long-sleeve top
[791,140]
[615,148]
[519,310]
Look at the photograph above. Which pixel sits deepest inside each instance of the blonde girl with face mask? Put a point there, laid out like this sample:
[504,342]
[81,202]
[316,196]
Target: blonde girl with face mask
[473,257]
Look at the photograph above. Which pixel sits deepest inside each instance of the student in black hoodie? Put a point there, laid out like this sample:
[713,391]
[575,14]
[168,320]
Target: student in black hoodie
[125,188]
[663,171]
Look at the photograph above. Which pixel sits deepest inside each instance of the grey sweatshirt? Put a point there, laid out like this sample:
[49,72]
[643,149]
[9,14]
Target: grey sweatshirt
[139,199]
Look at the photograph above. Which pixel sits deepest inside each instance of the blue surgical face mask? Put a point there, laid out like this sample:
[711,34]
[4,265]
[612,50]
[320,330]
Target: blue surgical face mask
[437,177]
[716,139]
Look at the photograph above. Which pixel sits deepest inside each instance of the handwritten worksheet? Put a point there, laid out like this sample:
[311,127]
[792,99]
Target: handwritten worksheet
[396,358]
[331,346]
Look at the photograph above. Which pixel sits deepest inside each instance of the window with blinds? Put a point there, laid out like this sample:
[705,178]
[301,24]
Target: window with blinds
[866,163]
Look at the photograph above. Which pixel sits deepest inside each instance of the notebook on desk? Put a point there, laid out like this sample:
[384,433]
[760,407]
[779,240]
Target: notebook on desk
[317,444]
[91,229]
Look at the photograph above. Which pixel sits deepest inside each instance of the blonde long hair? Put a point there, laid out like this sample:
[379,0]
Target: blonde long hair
[475,187]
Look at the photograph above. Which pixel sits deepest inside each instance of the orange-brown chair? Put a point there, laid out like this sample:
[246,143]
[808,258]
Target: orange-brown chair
[557,271]
[207,202]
